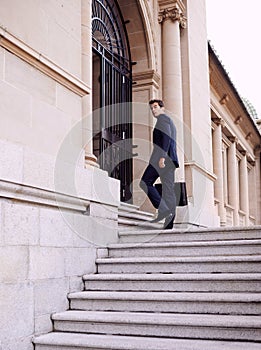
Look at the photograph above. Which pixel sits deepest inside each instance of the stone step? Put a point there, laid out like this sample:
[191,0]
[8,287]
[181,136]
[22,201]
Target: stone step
[189,234]
[128,206]
[225,327]
[125,209]
[131,223]
[74,341]
[181,302]
[131,218]
[205,264]
[195,248]
[139,216]
[203,282]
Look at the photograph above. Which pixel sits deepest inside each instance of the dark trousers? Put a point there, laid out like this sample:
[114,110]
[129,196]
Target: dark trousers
[167,200]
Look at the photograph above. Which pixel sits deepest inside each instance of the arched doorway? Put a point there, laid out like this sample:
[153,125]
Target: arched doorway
[112,94]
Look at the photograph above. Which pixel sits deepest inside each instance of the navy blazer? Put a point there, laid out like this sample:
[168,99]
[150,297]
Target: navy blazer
[164,141]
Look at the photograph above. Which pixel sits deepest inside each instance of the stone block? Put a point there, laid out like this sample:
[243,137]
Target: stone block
[59,44]
[69,103]
[50,295]
[76,284]
[30,16]
[46,262]
[103,211]
[55,230]
[14,263]
[11,159]
[105,189]
[21,223]
[80,261]
[42,324]
[24,77]
[66,14]
[95,231]
[50,125]
[17,311]
[20,343]
[15,110]
[83,182]
[38,169]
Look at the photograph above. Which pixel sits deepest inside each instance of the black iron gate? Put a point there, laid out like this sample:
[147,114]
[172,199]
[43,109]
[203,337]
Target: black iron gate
[113,130]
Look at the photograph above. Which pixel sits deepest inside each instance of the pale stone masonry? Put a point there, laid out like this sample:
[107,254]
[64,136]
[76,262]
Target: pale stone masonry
[57,204]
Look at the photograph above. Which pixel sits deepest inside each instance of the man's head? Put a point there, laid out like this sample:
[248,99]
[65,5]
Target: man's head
[157,107]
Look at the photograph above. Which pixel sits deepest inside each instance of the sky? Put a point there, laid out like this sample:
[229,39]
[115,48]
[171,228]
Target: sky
[234,28]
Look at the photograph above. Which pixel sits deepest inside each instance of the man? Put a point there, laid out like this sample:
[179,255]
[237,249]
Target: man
[163,163]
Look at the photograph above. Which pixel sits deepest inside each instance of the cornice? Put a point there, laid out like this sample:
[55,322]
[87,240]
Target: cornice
[171,3]
[42,63]
[149,77]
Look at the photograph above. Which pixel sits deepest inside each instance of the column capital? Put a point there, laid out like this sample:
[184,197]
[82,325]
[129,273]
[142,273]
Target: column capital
[219,121]
[172,10]
[233,139]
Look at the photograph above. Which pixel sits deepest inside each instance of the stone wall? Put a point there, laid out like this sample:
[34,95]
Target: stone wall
[54,210]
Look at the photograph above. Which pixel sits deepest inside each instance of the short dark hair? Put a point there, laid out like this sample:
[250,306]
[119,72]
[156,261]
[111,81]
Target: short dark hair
[159,102]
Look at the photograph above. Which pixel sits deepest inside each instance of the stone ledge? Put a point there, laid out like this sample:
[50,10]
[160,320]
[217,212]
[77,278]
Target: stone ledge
[40,196]
[42,63]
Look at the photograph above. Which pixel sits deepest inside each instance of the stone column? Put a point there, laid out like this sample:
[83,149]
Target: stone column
[86,13]
[218,170]
[244,195]
[172,18]
[233,196]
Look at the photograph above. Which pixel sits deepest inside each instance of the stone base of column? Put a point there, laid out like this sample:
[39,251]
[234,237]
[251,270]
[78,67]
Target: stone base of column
[91,160]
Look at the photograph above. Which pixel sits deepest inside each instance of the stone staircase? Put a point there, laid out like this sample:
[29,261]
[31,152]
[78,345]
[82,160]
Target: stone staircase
[167,290]
[130,217]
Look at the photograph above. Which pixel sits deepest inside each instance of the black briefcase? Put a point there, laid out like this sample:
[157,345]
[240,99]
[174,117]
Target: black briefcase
[180,192]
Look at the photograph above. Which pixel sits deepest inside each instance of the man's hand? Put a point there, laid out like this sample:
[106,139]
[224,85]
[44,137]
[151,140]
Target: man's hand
[162,163]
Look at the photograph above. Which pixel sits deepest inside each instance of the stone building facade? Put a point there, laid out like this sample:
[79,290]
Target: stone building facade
[63,64]
[236,151]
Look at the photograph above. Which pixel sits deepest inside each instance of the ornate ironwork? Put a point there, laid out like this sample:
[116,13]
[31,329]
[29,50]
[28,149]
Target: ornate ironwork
[110,44]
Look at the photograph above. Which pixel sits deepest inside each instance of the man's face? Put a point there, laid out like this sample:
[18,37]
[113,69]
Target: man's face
[156,109]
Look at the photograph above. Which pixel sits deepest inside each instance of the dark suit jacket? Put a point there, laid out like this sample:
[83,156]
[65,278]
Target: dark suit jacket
[164,141]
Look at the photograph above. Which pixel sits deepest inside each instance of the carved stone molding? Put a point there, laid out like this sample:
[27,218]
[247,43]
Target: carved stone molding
[146,78]
[39,196]
[90,159]
[249,136]
[195,165]
[257,150]
[173,13]
[42,63]
[252,162]
[238,119]
[224,100]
